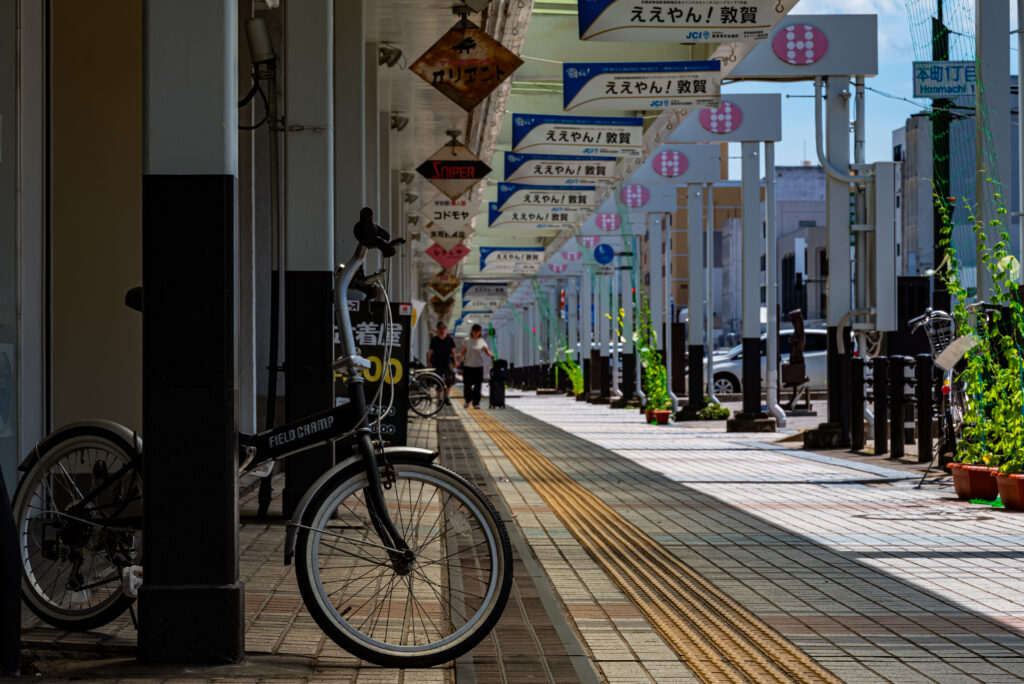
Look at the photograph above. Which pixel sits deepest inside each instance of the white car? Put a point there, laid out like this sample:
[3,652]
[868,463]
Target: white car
[728,366]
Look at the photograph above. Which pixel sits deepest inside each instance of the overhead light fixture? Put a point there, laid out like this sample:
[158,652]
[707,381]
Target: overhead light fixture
[409,198]
[398,122]
[388,54]
[406,177]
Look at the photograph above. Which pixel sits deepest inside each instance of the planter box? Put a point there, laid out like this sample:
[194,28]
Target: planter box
[662,417]
[974,481]
[1011,490]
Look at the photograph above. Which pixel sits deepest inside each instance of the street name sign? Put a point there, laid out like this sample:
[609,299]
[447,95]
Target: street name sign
[640,85]
[945,80]
[612,136]
[466,64]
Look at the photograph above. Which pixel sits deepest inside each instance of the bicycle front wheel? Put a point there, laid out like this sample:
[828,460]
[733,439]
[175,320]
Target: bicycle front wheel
[402,614]
[426,395]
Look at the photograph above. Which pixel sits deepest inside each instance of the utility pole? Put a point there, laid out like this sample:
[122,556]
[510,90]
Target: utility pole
[940,119]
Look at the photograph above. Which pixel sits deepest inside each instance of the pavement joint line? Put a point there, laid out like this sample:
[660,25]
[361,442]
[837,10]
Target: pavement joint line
[706,627]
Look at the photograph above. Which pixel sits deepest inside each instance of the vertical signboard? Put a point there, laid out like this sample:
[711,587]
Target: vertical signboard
[373,336]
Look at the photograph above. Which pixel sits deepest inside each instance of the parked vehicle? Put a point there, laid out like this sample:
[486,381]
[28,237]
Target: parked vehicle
[728,367]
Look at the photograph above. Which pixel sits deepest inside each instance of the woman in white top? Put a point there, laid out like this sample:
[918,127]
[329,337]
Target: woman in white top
[472,360]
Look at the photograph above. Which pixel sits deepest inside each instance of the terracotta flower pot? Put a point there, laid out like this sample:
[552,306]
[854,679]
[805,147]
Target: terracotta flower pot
[649,414]
[1011,490]
[662,417]
[974,481]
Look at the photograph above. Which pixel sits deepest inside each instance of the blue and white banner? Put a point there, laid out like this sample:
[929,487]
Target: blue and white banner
[512,260]
[570,198]
[678,21]
[538,169]
[640,85]
[484,290]
[537,219]
[612,136]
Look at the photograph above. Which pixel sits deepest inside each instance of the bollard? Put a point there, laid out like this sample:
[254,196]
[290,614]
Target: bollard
[909,399]
[925,408]
[896,406]
[880,379]
[10,588]
[856,403]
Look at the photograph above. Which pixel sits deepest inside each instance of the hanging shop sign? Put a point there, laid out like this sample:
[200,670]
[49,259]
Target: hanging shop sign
[537,169]
[572,198]
[447,258]
[737,118]
[373,335]
[444,284]
[640,85]
[808,45]
[945,80]
[447,239]
[675,164]
[447,214]
[453,169]
[612,136]
[512,260]
[481,304]
[466,64]
[536,219]
[441,307]
[678,21]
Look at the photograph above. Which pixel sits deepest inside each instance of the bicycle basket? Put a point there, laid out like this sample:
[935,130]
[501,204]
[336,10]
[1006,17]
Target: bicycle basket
[941,331]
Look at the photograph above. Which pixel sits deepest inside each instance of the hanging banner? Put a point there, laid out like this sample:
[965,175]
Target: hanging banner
[485,290]
[573,198]
[513,260]
[447,239]
[678,21]
[453,169]
[447,257]
[372,334]
[640,85]
[466,64]
[444,284]
[536,219]
[537,169]
[480,304]
[612,136]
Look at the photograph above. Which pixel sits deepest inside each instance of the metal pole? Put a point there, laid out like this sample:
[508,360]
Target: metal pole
[1020,138]
[709,294]
[669,314]
[615,281]
[695,292]
[751,193]
[772,289]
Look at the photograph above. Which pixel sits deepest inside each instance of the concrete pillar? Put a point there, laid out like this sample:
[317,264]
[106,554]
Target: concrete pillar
[751,328]
[371,162]
[586,312]
[669,312]
[572,304]
[992,140]
[626,275]
[350,76]
[695,291]
[655,291]
[309,230]
[191,612]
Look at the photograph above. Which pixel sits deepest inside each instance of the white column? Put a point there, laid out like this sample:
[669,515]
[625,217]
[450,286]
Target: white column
[586,320]
[627,298]
[771,289]
[695,276]
[669,314]
[838,202]
[601,313]
[349,127]
[709,292]
[572,302]
[655,292]
[615,283]
[992,141]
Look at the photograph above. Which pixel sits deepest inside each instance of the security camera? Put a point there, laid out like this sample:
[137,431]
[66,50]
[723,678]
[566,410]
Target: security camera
[259,41]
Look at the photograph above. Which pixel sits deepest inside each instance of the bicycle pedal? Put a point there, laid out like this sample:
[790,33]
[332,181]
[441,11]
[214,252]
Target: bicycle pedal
[131,580]
[264,470]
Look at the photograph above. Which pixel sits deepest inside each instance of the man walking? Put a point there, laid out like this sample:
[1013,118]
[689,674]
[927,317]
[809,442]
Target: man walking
[473,369]
[441,355]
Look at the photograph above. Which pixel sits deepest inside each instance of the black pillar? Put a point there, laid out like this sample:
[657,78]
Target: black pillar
[751,376]
[696,390]
[191,607]
[880,387]
[923,371]
[856,403]
[309,380]
[628,375]
[896,406]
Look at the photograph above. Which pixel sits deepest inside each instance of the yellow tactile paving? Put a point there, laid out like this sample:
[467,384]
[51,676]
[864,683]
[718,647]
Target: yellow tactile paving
[716,637]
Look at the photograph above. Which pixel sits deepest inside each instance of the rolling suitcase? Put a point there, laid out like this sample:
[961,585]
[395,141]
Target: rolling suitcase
[497,384]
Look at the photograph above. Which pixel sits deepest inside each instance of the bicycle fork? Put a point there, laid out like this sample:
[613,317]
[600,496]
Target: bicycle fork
[402,557]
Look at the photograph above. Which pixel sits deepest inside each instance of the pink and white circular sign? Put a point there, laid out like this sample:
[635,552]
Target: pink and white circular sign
[725,118]
[800,44]
[572,256]
[588,240]
[558,268]
[671,163]
[607,221]
[634,196]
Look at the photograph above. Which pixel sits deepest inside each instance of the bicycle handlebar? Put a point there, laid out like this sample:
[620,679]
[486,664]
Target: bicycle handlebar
[372,236]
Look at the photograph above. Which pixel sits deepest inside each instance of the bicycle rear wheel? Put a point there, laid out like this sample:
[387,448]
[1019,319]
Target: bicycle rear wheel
[415,614]
[72,556]
[426,394]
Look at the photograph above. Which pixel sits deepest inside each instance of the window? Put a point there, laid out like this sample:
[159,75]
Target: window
[807,223]
[897,153]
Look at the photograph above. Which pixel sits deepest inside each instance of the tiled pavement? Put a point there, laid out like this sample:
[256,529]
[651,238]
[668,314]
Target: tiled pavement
[876,580]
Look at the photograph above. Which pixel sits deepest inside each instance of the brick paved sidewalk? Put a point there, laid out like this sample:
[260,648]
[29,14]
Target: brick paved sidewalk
[876,580]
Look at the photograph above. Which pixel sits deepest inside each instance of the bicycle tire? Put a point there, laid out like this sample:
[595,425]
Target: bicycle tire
[426,395]
[465,590]
[71,566]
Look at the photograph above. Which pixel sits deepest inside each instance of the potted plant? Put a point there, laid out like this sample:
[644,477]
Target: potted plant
[654,376]
[993,374]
